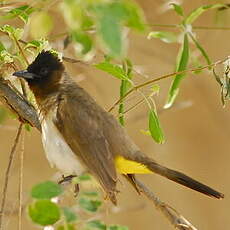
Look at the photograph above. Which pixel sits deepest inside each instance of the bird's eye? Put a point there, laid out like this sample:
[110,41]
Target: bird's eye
[44,71]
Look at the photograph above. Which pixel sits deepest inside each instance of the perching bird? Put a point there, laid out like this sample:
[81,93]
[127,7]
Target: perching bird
[78,135]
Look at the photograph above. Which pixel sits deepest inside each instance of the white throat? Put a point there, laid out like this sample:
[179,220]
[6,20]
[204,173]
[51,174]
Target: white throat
[58,152]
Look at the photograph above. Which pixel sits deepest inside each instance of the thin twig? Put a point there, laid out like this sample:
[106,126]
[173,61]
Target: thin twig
[174,217]
[134,106]
[23,85]
[176,26]
[21,181]
[13,150]
[21,50]
[164,77]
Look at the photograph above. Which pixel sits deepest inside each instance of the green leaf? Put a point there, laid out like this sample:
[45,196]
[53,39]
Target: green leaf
[111,35]
[14,33]
[135,16]
[44,212]
[6,57]
[84,177]
[70,216]
[96,224]
[117,227]
[87,23]
[111,13]
[200,10]
[39,44]
[112,69]
[22,12]
[83,39]
[2,47]
[89,205]
[46,190]
[66,227]
[155,127]
[155,88]
[178,9]
[182,63]
[145,132]
[41,24]
[164,36]
[27,127]
[201,49]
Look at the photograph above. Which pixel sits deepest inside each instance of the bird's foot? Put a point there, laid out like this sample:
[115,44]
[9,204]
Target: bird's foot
[69,179]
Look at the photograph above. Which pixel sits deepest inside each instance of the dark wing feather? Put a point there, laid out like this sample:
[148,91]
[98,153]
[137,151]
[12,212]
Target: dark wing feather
[80,121]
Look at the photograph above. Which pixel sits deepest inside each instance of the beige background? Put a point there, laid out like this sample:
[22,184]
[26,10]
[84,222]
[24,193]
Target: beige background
[197,137]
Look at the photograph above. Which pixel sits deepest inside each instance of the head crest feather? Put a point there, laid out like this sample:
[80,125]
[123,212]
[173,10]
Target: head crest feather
[46,59]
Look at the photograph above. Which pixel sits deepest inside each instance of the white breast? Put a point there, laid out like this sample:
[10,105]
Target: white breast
[57,150]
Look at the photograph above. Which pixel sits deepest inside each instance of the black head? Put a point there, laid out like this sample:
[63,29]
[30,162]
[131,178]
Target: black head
[41,68]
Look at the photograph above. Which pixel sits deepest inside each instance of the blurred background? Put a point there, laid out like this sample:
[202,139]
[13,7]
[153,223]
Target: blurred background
[197,129]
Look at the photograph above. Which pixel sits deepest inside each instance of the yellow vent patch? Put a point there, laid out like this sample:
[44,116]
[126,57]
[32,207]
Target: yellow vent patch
[125,166]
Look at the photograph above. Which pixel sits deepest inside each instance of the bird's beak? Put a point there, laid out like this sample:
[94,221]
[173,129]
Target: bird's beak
[24,74]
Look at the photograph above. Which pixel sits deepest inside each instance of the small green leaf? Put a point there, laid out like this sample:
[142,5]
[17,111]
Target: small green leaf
[2,47]
[155,88]
[145,132]
[117,227]
[201,49]
[46,190]
[112,69]
[44,212]
[91,194]
[84,177]
[96,224]
[6,57]
[164,36]
[178,9]
[83,39]
[27,127]
[155,127]
[66,227]
[117,14]
[41,24]
[39,44]
[89,205]
[22,12]
[200,10]
[182,62]
[70,216]
[14,33]
[135,16]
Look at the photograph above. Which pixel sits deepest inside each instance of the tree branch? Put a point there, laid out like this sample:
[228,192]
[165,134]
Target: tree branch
[16,102]
[175,218]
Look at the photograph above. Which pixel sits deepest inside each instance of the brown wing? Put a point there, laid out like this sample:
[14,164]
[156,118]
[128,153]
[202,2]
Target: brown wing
[80,121]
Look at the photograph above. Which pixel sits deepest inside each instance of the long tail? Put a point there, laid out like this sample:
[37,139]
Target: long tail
[177,177]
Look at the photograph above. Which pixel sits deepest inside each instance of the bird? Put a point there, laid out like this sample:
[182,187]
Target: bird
[79,136]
